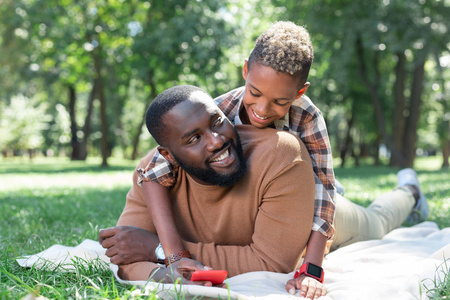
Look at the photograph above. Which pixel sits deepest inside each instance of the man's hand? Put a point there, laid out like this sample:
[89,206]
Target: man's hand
[128,244]
[181,270]
[309,287]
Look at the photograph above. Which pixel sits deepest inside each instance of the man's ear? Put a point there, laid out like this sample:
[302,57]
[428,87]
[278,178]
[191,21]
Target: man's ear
[302,91]
[245,70]
[167,155]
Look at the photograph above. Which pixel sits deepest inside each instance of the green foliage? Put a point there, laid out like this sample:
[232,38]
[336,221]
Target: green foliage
[144,47]
[22,123]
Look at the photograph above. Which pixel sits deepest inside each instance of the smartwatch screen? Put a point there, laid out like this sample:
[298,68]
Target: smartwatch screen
[314,270]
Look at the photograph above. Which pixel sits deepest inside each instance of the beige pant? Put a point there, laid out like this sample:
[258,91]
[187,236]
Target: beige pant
[354,223]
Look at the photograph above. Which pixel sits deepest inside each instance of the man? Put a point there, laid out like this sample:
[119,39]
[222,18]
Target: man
[228,218]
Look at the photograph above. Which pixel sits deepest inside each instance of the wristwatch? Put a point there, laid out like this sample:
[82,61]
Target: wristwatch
[311,270]
[159,252]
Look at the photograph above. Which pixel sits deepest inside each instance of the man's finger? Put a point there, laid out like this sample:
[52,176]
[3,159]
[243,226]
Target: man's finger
[110,252]
[108,242]
[203,283]
[106,233]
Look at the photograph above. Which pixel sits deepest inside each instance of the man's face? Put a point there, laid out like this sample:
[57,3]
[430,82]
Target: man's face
[268,94]
[203,142]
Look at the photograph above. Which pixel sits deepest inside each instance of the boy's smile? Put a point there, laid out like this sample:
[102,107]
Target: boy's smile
[268,95]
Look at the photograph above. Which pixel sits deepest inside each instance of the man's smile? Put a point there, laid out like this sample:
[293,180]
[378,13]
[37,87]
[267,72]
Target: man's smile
[223,158]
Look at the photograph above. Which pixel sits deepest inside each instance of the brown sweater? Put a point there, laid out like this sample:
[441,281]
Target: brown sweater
[261,224]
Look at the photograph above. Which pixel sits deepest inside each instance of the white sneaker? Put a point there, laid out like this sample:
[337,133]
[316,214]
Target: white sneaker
[420,211]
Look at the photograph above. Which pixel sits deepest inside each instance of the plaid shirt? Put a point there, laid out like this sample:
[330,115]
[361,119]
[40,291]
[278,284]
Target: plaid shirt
[305,121]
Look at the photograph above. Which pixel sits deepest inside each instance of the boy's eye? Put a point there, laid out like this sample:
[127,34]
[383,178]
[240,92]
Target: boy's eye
[253,94]
[281,102]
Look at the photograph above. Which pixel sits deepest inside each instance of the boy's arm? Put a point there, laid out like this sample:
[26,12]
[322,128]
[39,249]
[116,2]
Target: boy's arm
[156,179]
[313,132]
[157,199]
[316,248]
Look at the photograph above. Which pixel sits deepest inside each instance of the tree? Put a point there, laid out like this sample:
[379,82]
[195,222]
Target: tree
[374,36]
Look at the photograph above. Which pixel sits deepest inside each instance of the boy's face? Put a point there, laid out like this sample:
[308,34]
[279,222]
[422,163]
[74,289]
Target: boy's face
[268,94]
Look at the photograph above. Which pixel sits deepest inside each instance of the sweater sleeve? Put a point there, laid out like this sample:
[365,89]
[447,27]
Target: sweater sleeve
[282,227]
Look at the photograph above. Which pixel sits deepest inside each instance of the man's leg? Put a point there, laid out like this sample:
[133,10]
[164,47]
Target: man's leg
[354,223]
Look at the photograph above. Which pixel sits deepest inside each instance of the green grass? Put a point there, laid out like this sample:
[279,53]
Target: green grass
[56,201]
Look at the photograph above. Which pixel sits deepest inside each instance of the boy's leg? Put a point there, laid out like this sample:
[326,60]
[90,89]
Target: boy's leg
[354,223]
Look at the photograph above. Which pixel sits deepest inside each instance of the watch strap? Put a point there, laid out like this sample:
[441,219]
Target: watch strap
[176,257]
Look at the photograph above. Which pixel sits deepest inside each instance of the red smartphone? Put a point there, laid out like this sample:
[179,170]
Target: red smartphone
[215,276]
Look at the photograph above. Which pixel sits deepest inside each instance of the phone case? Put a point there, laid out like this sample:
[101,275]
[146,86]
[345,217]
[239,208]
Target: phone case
[215,276]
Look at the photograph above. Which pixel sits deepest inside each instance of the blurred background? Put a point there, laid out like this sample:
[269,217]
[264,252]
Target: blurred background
[76,76]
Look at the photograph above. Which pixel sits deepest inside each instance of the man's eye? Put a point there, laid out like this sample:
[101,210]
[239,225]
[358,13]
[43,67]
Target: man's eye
[193,139]
[218,121]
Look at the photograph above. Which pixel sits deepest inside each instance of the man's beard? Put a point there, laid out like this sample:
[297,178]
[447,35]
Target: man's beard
[210,176]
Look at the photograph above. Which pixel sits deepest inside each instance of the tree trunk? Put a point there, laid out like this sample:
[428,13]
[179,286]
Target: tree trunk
[414,113]
[398,122]
[153,95]
[373,90]
[376,155]
[88,122]
[101,97]
[445,154]
[73,124]
[444,124]
[348,142]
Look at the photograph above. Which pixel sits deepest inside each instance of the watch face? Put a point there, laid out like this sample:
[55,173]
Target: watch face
[159,251]
[314,270]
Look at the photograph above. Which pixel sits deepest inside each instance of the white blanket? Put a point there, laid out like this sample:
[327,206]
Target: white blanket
[396,267]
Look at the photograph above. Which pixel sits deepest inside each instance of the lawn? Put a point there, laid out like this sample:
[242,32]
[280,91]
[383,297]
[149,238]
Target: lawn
[56,201]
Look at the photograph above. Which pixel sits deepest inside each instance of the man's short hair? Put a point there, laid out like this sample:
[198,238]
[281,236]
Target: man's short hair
[162,104]
[285,47]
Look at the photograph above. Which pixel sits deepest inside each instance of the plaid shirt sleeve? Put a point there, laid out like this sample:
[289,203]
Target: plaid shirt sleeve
[158,170]
[307,122]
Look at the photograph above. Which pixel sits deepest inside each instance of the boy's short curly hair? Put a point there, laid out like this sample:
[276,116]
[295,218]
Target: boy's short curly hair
[285,47]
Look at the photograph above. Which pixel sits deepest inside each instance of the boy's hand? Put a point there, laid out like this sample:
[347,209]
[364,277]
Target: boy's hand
[182,270]
[309,287]
[128,244]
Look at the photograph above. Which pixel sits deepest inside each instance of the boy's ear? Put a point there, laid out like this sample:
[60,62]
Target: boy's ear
[302,91]
[245,70]
[167,155]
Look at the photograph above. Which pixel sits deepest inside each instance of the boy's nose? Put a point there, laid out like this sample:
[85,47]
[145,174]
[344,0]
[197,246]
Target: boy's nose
[262,108]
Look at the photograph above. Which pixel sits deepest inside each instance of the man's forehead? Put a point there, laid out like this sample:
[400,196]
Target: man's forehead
[199,102]
[191,114]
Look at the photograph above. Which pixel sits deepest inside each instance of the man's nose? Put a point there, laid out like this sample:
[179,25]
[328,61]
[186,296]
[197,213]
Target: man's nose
[215,141]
